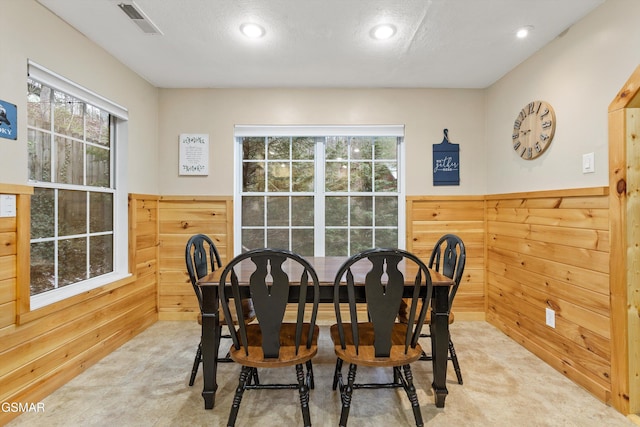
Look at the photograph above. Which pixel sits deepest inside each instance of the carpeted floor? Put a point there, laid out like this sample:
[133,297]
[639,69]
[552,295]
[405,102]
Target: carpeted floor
[145,383]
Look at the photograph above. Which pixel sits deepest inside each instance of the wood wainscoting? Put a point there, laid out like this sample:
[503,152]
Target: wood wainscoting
[551,250]
[43,349]
[428,218]
[181,217]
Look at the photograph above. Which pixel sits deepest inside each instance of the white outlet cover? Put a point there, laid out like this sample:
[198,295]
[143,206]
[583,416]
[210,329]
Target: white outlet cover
[551,317]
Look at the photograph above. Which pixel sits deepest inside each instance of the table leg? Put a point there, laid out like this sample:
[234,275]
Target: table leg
[439,330]
[210,340]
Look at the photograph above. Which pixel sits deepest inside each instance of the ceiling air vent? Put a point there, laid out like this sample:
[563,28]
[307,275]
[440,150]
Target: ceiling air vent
[137,16]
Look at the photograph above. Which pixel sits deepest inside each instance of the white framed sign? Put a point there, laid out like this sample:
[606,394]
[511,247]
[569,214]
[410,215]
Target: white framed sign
[194,154]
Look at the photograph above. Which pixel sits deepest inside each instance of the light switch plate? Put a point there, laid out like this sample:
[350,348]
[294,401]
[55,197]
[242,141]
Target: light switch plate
[588,163]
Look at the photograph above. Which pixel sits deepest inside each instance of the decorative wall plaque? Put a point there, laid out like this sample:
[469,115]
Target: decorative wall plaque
[446,162]
[194,154]
[8,120]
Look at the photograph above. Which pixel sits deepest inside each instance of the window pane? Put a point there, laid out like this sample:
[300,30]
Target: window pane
[72,212]
[278,177]
[278,239]
[101,207]
[387,211]
[302,211]
[101,255]
[302,242]
[38,105]
[336,211]
[278,148]
[69,161]
[42,267]
[361,177]
[336,176]
[303,177]
[39,155]
[42,213]
[336,148]
[386,177]
[303,148]
[253,148]
[98,130]
[252,239]
[68,115]
[361,148]
[72,261]
[253,176]
[98,167]
[277,211]
[386,238]
[336,243]
[253,211]
[361,211]
[386,148]
[361,239]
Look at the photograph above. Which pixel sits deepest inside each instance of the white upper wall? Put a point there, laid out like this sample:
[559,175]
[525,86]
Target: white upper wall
[579,74]
[424,112]
[29,31]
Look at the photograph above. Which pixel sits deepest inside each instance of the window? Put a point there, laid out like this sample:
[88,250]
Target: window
[329,195]
[76,209]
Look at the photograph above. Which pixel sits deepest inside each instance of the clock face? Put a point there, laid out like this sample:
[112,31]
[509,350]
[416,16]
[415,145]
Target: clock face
[533,129]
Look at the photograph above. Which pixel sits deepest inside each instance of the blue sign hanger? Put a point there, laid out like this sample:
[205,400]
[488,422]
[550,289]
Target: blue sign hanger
[446,162]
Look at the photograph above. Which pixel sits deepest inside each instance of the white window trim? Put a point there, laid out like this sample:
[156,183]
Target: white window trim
[316,130]
[120,220]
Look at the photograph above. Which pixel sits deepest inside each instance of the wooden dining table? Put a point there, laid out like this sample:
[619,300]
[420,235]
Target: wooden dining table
[326,268]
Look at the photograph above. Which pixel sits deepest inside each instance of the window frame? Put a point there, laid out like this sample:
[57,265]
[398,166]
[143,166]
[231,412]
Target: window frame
[119,143]
[241,131]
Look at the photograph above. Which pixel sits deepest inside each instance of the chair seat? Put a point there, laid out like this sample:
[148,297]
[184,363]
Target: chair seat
[366,353]
[287,357]
[247,308]
[403,315]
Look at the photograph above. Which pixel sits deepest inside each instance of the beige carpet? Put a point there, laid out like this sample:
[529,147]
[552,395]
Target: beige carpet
[145,383]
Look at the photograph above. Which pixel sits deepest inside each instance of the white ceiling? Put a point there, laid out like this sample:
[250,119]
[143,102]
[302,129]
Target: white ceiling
[323,43]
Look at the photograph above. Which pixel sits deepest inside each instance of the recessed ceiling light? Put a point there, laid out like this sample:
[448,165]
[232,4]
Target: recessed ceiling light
[253,31]
[524,31]
[383,31]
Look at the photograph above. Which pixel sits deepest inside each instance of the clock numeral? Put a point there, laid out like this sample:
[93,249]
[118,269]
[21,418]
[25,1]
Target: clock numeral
[515,135]
[546,125]
[544,136]
[516,145]
[531,106]
[528,151]
[522,115]
[517,124]
[538,110]
[538,147]
[546,111]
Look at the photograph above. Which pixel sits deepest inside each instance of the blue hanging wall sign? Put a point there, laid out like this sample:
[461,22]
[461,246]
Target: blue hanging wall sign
[8,120]
[446,162]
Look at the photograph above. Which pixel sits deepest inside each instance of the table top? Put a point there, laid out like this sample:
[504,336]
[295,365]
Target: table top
[326,268]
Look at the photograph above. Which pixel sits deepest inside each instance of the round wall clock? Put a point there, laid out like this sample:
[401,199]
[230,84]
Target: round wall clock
[533,129]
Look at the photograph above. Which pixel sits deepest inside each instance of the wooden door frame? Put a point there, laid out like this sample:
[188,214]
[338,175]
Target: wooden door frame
[624,235]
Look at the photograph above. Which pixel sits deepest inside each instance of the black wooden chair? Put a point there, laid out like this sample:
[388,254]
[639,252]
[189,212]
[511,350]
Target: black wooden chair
[447,257]
[202,258]
[270,342]
[378,340]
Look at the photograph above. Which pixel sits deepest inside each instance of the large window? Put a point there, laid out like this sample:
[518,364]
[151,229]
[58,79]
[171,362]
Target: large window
[329,195]
[76,206]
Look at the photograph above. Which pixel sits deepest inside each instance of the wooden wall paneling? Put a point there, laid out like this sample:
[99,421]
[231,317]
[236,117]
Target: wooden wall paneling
[551,250]
[180,217]
[429,217]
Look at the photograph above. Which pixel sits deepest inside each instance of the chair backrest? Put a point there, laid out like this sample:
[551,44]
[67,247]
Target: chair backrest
[384,274]
[270,273]
[448,257]
[202,258]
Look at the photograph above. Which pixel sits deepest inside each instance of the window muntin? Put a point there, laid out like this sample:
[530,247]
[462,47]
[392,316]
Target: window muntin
[332,195]
[71,164]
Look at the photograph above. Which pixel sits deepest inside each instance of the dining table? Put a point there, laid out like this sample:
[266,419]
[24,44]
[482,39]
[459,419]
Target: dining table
[326,268]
